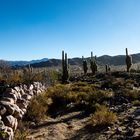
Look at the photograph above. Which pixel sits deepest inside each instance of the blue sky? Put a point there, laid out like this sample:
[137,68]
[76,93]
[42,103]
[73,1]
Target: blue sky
[34,29]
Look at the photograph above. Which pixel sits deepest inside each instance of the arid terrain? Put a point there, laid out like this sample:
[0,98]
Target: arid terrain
[73,116]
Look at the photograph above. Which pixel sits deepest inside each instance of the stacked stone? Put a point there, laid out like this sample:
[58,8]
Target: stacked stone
[13,106]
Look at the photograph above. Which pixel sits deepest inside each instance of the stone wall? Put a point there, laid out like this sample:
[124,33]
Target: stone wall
[13,106]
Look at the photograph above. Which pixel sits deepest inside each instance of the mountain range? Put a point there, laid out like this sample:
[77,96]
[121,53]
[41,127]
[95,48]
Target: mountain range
[102,60]
[23,63]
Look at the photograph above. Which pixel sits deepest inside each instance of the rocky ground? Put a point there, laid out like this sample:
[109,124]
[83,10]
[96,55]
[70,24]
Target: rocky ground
[75,124]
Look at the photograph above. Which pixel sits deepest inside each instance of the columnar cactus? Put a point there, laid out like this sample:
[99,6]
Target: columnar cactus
[65,73]
[107,67]
[93,64]
[85,67]
[128,61]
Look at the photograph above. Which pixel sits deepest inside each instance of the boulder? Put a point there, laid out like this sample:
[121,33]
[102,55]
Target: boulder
[18,95]
[24,110]
[11,122]
[11,108]
[2,110]
[27,97]
[9,133]
[2,126]
[31,93]
[10,100]
[18,113]
[25,88]
[39,91]
[22,103]
[17,88]
[10,95]
[22,92]
[137,112]
[9,90]
[31,87]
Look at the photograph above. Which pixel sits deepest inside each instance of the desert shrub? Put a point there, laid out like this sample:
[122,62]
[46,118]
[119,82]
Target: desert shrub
[103,117]
[136,103]
[81,93]
[14,78]
[37,109]
[52,76]
[3,135]
[38,77]
[76,97]
[21,134]
[131,94]
[69,92]
[30,75]
[135,70]
[82,87]
[100,95]
[5,69]
[129,82]
[80,84]
[22,131]
[25,75]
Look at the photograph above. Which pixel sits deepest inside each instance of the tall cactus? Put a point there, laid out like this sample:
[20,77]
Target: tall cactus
[85,67]
[93,64]
[128,61]
[65,73]
[107,68]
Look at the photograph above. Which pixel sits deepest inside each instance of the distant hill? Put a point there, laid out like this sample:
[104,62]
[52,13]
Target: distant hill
[21,63]
[102,60]
[117,60]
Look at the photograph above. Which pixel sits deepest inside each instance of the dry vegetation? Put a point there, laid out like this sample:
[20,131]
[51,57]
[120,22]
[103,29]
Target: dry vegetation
[94,95]
[94,98]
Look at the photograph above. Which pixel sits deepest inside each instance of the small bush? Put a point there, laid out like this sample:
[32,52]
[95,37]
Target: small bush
[80,93]
[21,134]
[103,116]
[3,135]
[37,109]
[131,94]
[136,103]
[100,96]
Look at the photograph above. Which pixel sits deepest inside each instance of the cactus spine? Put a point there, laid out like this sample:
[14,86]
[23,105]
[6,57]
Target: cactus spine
[93,64]
[128,61]
[85,67]
[65,74]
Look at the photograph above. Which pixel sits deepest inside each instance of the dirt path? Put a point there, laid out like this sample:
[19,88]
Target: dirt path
[76,125]
[69,126]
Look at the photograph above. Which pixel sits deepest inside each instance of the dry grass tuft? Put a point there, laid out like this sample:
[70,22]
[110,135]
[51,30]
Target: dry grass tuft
[103,116]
